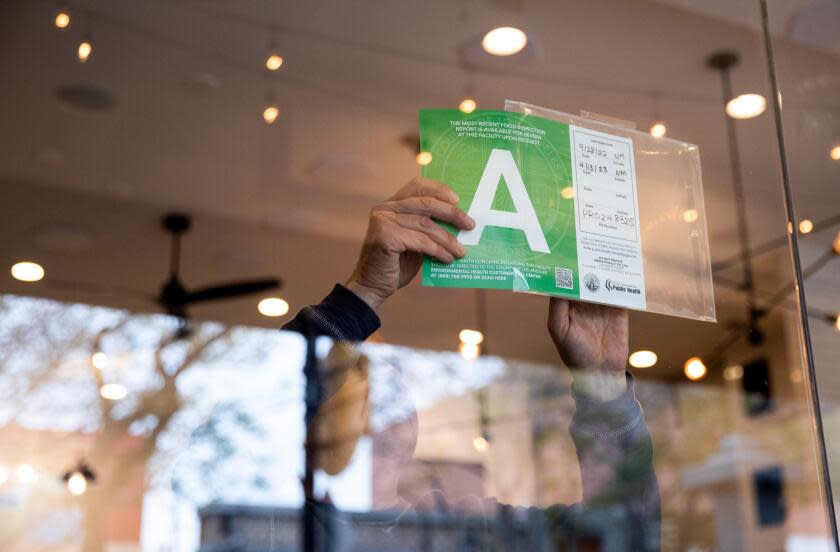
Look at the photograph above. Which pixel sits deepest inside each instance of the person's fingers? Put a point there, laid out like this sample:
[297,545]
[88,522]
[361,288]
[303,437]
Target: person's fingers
[418,242]
[423,187]
[432,207]
[433,230]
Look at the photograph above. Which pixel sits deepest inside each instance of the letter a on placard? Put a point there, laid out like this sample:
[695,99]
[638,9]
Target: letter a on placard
[501,164]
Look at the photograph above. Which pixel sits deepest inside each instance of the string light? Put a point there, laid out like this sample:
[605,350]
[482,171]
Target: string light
[423,158]
[62,19]
[468,105]
[642,359]
[695,369]
[273,62]
[85,50]
[690,215]
[805,226]
[27,271]
[658,129]
[270,114]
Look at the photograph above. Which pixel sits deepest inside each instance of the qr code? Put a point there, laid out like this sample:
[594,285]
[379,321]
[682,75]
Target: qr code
[563,278]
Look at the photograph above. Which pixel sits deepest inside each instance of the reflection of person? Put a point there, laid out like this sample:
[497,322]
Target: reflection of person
[620,505]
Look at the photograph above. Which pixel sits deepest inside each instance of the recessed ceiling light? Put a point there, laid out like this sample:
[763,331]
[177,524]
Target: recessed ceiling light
[273,306]
[27,271]
[746,106]
[504,41]
[805,226]
[695,369]
[642,359]
[85,50]
[62,19]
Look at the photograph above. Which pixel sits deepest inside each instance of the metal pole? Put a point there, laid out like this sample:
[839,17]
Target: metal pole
[313,400]
[807,351]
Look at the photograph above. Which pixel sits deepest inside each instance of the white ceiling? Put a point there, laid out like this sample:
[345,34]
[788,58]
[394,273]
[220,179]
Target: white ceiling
[291,199]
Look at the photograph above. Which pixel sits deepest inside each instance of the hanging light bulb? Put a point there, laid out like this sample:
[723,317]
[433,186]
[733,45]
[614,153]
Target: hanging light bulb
[805,226]
[270,114]
[468,105]
[658,129]
[62,18]
[78,479]
[273,62]
[695,369]
[504,41]
[85,50]
[834,153]
[746,106]
[470,336]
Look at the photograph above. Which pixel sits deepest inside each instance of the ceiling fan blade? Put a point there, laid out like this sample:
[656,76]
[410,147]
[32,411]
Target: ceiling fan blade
[233,289]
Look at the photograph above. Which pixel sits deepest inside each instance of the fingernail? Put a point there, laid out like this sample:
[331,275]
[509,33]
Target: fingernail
[471,222]
[461,250]
[456,197]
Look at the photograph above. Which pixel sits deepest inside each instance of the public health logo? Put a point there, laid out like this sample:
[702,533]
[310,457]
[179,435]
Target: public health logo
[591,282]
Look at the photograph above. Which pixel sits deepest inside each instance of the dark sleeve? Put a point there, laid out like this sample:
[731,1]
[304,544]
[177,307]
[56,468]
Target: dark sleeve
[620,508]
[341,315]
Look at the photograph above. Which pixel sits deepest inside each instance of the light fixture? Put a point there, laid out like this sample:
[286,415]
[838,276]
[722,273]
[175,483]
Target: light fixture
[468,105]
[62,19]
[695,369]
[837,323]
[567,193]
[834,152]
[423,158]
[504,41]
[85,50]
[642,359]
[78,479]
[470,336]
[270,114]
[690,215]
[26,474]
[273,306]
[27,271]
[99,360]
[805,226]
[746,106]
[658,129]
[480,443]
[469,351]
[732,373]
[835,245]
[273,62]
[113,391]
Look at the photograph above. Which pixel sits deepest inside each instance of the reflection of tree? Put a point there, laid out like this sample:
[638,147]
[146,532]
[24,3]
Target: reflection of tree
[47,379]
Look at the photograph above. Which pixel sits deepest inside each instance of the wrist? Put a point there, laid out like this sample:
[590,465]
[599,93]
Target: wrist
[369,295]
[600,386]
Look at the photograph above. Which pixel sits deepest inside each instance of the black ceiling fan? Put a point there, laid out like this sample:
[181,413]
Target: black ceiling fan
[175,298]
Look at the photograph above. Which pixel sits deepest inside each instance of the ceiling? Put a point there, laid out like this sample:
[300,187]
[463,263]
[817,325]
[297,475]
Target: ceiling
[82,191]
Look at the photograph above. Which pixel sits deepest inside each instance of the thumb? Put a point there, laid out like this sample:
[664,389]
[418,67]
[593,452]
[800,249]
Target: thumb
[558,318]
